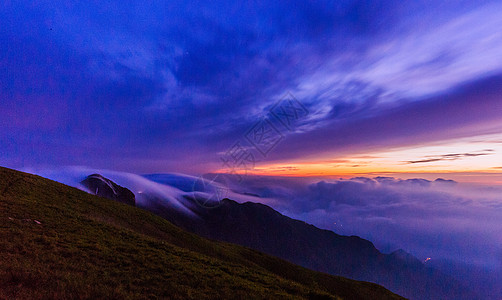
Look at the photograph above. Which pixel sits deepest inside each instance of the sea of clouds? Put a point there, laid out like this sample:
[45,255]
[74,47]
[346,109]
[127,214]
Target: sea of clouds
[458,226]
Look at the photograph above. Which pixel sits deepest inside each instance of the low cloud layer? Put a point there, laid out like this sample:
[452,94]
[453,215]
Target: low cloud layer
[451,223]
[440,219]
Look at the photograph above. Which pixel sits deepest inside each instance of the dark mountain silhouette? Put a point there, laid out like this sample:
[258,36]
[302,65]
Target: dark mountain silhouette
[262,228]
[103,187]
[59,242]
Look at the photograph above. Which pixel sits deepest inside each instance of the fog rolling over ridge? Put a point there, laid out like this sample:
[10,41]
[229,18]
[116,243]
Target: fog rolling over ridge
[359,138]
[422,217]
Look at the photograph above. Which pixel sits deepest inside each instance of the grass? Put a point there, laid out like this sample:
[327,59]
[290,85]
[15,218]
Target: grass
[61,243]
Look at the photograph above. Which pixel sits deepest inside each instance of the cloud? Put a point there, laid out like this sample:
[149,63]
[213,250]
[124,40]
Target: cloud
[150,195]
[438,219]
[117,85]
[441,219]
[452,156]
[404,125]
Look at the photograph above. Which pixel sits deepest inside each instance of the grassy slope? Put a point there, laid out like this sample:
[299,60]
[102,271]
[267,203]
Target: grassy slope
[90,247]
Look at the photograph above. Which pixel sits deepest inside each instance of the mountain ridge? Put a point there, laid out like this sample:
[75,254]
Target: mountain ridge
[249,224]
[83,246]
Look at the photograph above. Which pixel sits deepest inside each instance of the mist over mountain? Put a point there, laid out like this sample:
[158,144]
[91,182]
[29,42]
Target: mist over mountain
[433,218]
[172,196]
[62,243]
[260,227]
[355,137]
[390,212]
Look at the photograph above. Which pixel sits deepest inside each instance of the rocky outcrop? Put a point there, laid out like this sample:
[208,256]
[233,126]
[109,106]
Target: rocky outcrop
[104,187]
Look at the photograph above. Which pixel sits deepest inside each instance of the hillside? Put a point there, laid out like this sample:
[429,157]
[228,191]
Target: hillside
[262,228]
[60,242]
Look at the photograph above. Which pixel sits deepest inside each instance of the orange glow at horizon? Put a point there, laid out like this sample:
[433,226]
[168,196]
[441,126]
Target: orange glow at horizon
[475,155]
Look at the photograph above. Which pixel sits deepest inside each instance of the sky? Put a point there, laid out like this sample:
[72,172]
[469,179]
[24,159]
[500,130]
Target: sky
[342,109]
[376,87]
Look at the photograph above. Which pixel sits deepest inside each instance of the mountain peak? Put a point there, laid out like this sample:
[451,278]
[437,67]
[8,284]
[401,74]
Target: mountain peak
[101,186]
[405,256]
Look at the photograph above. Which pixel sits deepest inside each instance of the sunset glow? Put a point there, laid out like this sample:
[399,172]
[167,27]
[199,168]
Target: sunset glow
[376,120]
[479,155]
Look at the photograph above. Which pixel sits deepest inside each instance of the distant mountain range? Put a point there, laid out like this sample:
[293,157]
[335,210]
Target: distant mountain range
[262,228]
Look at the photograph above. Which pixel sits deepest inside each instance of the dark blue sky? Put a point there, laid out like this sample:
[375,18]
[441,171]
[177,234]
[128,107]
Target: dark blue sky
[168,86]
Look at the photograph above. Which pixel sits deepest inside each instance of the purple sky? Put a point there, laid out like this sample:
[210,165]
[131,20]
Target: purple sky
[168,86]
